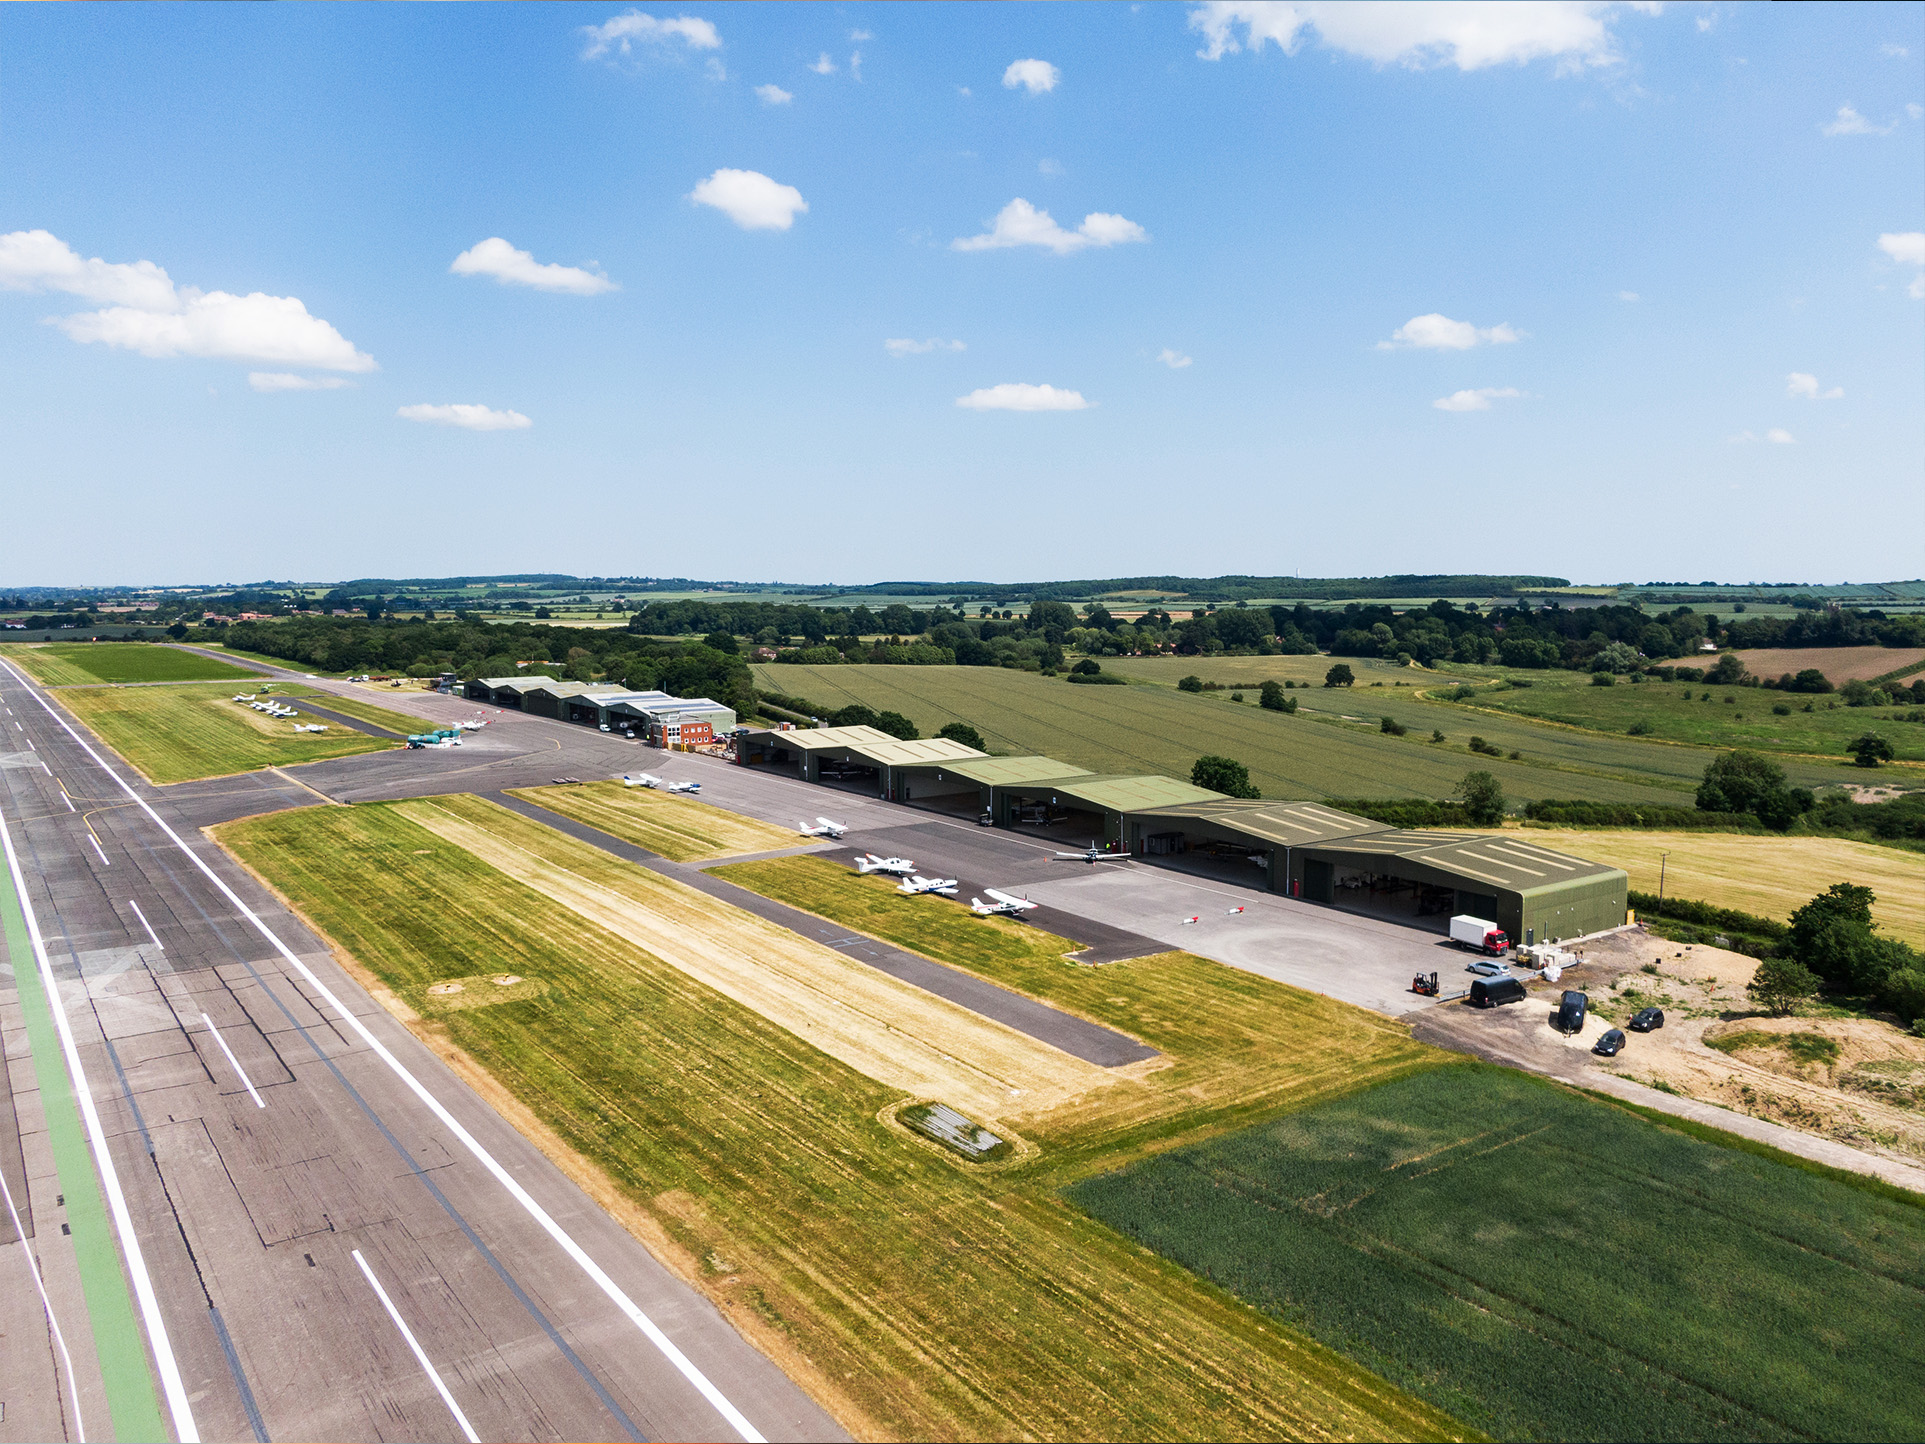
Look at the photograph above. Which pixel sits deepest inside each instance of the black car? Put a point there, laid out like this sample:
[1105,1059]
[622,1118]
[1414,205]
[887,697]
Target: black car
[1495,992]
[1647,1020]
[1569,1017]
[1610,1044]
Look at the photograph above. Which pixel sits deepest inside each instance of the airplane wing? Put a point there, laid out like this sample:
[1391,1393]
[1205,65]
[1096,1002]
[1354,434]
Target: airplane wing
[1010,900]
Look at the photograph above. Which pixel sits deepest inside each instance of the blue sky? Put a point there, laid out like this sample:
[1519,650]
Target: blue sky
[1662,266]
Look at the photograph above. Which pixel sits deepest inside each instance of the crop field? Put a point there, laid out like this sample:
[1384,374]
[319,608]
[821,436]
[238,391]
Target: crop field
[677,828]
[1713,717]
[87,664]
[1546,1266]
[1766,876]
[179,734]
[915,1297]
[1139,729]
[1839,664]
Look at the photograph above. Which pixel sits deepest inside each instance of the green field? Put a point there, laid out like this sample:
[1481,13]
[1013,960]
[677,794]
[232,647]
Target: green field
[399,722]
[180,734]
[85,664]
[1546,1266]
[680,829]
[1315,753]
[1733,717]
[915,1298]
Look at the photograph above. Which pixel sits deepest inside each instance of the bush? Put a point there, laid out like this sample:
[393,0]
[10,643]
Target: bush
[1639,728]
[1870,750]
[1725,920]
[1578,813]
[1271,695]
[1085,668]
[1223,774]
[1603,679]
[1781,984]
[962,732]
[1339,676]
[1904,994]
[1478,744]
[1404,811]
[1191,683]
[1099,679]
[1392,727]
[1483,799]
[897,725]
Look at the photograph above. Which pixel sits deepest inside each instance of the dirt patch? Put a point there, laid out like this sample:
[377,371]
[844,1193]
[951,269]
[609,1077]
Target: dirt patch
[484,990]
[886,1029]
[1839,664]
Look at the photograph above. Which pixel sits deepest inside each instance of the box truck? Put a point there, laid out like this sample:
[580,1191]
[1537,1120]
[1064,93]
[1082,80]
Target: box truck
[1470,932]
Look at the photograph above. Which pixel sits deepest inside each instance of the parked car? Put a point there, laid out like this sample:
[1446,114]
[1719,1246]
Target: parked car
[1569,1017]
[1610,1044]
[1495,992]
[1647,1020]
[1490,969]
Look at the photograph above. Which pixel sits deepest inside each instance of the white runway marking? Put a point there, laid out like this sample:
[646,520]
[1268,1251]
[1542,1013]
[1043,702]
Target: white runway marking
[420,1356]
[612,1290]
[232,1061]
[64,798]
[46,1306]
[157,1340]
[96,842]
[159,946]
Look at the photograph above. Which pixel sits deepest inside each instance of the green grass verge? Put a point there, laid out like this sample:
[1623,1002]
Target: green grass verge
[1316,753]
[677,828]
[66,664]
[920,1299]
[365,711]
[1550,1267]
[179,734]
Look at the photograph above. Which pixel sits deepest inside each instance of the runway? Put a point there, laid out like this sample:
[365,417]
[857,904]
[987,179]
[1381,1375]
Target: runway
[285,1218]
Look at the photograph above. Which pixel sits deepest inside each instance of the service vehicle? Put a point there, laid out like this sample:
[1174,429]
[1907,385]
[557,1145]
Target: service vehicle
[1470,932]
[1495,992]
[1569,1017]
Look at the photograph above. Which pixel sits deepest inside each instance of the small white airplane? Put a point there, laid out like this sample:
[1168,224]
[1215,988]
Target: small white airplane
[890,866]
[914,886]
[824,827]
[1001,904]
[473,724]
[310,727]
[1092,853]
[243,697]
[659,784]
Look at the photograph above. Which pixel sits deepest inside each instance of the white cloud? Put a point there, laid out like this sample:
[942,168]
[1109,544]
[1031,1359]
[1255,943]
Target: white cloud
[621,33]
[1464,33]
[1049,167]
[1020,396]
[1439,333]
[773,95]
[1035,76]
[288,381]
[964,90]
[823,65]
[858,36]
[1915,110]
[906,347]
[751,199]
[1800,383]
[715,70]
[1850,122]
[41,261]
[1778,436]
[1897,52]
[1905,247]
[469,418]
[855,65]
[1175,360]
[155,317]
[1021,224]
[495,257]
[1478,400]
[1628,296]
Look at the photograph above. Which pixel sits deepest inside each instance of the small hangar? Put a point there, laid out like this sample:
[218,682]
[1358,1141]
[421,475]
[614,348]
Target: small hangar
[861,754]
[659,717]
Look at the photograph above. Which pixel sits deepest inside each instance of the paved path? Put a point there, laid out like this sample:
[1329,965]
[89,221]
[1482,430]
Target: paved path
[1078,1037]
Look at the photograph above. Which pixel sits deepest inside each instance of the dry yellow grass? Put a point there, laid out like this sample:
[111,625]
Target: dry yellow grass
[678,828]
[1768,876]
[885,1029]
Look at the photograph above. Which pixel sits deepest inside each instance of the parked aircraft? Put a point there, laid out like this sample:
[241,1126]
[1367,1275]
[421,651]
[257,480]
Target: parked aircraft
[920,884]
[891,866]
[1001,904]
[310,727]
[243,697]
[824,827]
[1092,853]
[660,784]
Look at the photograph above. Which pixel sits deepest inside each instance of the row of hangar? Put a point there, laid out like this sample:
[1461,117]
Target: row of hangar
[1302,849]
[654,717]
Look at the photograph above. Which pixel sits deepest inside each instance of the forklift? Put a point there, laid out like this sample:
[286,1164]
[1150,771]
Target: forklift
[1424,985]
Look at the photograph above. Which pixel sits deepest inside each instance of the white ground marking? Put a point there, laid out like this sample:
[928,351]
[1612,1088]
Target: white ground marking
[233,1062]
[170,1380]
[614,1292]
[419,1354]
[159,946]
[46,1305]
[96,842]
[63,796]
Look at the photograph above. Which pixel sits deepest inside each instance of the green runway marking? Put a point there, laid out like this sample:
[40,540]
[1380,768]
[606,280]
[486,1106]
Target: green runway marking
[131,1399]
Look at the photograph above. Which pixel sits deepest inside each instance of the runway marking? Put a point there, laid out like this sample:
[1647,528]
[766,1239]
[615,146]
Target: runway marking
[159,946]
[233,1062]
[612,1290]
[420,1355]
[163,1349]
[63,795]
[46,1306]
[96,842]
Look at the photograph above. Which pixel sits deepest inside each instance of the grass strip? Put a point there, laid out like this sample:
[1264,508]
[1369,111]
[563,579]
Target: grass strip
[677,828]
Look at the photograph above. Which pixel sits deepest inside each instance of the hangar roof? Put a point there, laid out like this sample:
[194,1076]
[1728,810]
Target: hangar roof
[1290,824]
[811,738]
[995,771]
[578,689]
[1110,793]
[897,753]
[515,681]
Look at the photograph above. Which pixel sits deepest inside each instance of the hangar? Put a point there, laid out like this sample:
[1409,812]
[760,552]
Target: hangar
[967,785]
[1326,856]
[504,691]
[861,754]
[1090,803]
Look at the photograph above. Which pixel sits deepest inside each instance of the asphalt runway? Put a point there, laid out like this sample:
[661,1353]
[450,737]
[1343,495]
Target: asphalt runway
[343,1240]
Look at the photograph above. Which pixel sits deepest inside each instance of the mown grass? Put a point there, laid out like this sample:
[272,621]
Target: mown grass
[68,664]
[1769,877]
[180,734]
[1141,729]
[1547,1266]
[915,1298]
[677,828]
[1731,717]
[400,722]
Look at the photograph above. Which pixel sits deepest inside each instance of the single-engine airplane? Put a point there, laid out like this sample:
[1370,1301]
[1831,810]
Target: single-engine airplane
[890,866]
[1001,904]
[824,827]
[1093,853]
[920,884]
